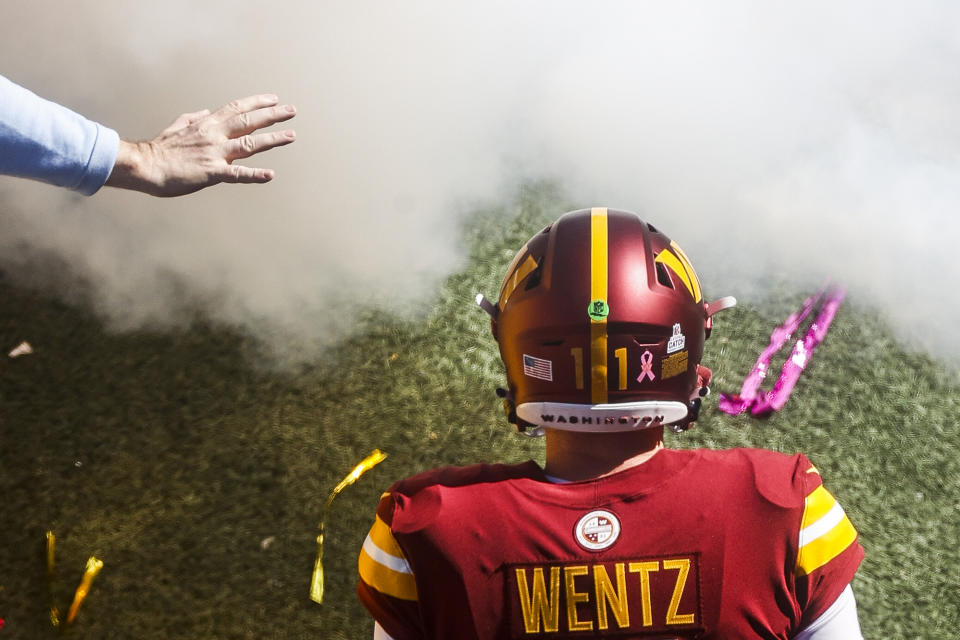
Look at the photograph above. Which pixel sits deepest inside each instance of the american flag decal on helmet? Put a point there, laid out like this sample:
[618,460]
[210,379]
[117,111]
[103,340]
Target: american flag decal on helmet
[537,368]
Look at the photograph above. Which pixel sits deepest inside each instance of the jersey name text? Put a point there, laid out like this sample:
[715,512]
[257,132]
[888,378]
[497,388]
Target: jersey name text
[645,595]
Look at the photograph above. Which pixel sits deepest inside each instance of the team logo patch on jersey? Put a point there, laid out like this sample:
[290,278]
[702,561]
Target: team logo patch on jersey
[597,530]
[537,368]
[677,341]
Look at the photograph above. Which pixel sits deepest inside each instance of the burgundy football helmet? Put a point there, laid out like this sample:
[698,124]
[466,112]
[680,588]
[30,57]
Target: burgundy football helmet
[601,324]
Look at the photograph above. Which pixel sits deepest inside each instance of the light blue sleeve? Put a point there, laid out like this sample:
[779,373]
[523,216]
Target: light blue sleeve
[45,141]
[839,622]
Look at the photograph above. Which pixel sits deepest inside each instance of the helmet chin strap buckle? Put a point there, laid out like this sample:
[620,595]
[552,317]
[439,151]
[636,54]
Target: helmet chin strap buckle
[701,391]
[693,412]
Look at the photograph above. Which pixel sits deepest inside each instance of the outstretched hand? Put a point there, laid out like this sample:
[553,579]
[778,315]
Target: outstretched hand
[198,149]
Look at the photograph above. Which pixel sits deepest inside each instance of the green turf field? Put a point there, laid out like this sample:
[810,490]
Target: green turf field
[199,478]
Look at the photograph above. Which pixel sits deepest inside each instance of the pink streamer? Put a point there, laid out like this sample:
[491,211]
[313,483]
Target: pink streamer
[762,403]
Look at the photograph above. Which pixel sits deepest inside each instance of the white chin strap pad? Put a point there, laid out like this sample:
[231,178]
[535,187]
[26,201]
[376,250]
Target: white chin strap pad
[624,416]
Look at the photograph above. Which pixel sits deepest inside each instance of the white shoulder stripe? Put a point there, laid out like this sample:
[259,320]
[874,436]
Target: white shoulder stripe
[823,525]
[399,565]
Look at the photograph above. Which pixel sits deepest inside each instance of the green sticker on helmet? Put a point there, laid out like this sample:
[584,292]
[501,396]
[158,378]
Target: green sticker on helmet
[598,310]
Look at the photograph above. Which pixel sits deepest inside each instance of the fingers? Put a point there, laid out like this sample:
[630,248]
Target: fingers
[248,122]
[199,148]
[236,114]
[246,146]
[244,105]
[236,173]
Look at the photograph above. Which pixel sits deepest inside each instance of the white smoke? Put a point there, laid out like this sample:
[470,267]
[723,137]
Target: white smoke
[803,139]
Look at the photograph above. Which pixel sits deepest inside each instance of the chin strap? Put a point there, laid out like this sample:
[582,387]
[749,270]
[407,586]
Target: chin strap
[694,405]
[701,391]
[510,408]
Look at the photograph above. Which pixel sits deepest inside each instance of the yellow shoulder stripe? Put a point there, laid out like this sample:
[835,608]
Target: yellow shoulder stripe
[822,550]
[825,531]
[819,502]
[381,536]
[391,583]
[383,565]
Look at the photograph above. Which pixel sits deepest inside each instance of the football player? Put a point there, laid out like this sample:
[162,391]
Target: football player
[601,325]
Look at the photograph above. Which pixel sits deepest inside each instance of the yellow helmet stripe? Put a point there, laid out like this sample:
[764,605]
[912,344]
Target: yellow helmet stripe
[673,262]
[511,283]
[599,247]
[697,293]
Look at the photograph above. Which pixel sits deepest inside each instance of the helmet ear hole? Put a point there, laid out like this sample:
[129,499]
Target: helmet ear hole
[533,280]
[663,276]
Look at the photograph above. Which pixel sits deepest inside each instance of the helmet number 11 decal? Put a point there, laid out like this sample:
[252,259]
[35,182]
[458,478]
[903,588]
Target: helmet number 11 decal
[577,353]
[621,354]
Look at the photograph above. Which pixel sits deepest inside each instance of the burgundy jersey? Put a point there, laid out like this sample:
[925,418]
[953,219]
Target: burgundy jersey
[691,544]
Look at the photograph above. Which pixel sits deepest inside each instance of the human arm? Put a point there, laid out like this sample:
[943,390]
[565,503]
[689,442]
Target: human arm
[45,141]
[386,585]
[839,622]
[198,149]
[828,556]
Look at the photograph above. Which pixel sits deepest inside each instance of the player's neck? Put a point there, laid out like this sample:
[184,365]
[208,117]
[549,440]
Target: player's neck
[578,456]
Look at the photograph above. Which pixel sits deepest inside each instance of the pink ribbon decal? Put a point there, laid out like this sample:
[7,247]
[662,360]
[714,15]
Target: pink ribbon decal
[646,362]
[762,403]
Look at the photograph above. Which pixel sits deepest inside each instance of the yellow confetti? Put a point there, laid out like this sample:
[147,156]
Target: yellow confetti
[54,611]
[94,566]
[316,582]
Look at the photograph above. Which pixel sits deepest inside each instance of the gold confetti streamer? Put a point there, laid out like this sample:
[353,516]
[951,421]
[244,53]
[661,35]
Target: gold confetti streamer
[372,460]
[54,612]
[94,566]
